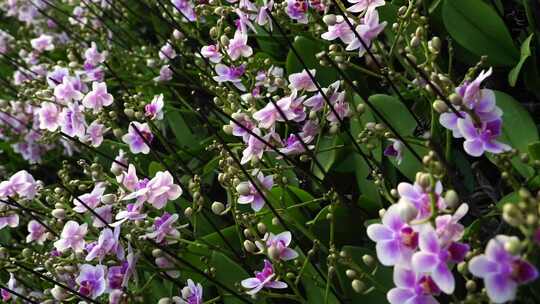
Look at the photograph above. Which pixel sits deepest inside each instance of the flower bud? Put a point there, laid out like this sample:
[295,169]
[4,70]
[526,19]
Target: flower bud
[273,252]
[59,293]
[513,246]
[455,99]
[512,215]
[250,246]
[243,188]
[368,260]
[407,211]
[177,34]
[227,129]
[188,212]
[218,208]
[440,106]
[108,198]
[224,40]
[451,198]
[351,274]
[329,19]
[358,286]
[261,227]
[59,213]
[164,301]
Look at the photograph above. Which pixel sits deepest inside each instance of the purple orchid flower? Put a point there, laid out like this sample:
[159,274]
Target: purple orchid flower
[238,46]
[91,199]
[433,259]
[412,288]
[212,53]
[192,293]
[302,81]
[68,90]
[483,139]
[72,121]
[98,97]
[42,43]
[368,30]
[133,138]
[21,184]
[230,74]
[108,242]
[340,30]
[502,271]
[255,147]
[93,57]
[420,197]
[280,244]
[297,10]
[94,134]
[91,280]
[263,279]
[364,5]
[290,106]
[396,241]
[253,196]
[49,116]
[72,236]
[9,220]
[163,228]
[395,150]
[37,232]
[186,8]
[165,74]
[167,52]
[154,110]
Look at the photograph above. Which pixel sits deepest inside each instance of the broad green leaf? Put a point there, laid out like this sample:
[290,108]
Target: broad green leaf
[307,48]
[518,130]
[477,27]
[525,53]
[228,273]
[396,113]
[327,156]
[509,198]
[183,135]
[534,150]
[154,168]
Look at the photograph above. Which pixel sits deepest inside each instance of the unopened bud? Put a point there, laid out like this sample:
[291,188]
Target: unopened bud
[261,227]
[358,286]
[59,213]
[273,252]
[243,188]
[368,260]
[188,212]
[451,198]
[440,106]
[329,19]
[108,198]
[407,211]
[455,99]
[250,246]
[218,208]
[227,129]
[513,246]
[351,274]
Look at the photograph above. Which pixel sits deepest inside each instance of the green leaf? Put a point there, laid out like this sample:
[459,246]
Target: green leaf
[477,27]
[327,156]
[228,273]
[183,135]
[307,48]
[395,112]
[154,167]
[525,53]
[518,130]
[509,198]
[534,150]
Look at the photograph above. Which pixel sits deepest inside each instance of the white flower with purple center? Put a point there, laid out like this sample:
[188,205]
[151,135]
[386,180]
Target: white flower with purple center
[250,194]
[421,199]
[98,97]
[412,288]
[192,293]
[277,245]
[238,46]
[138,136]
[154,110]
[396,240]
[502,271]
[263,279]
[91,280]
[72,237]
[230,74]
